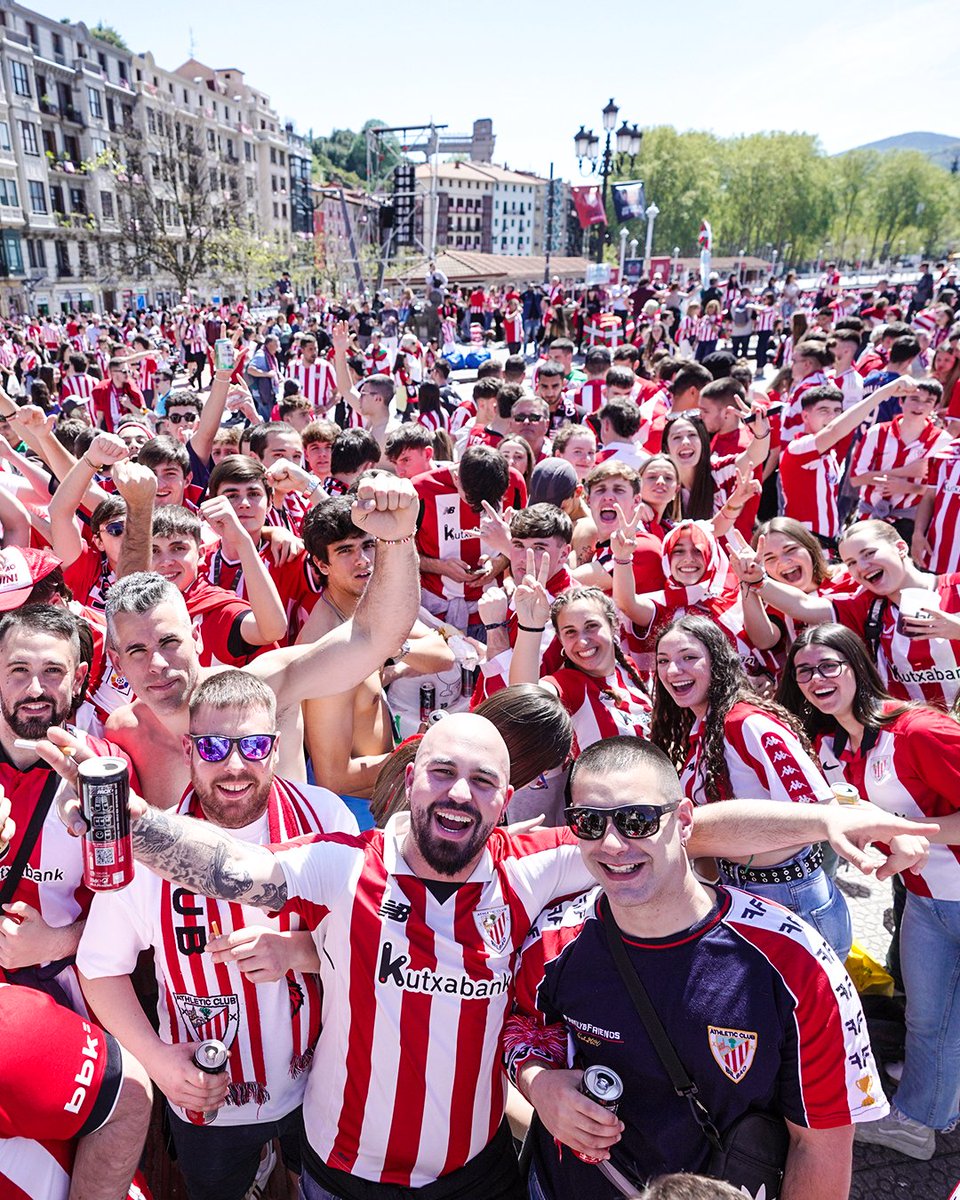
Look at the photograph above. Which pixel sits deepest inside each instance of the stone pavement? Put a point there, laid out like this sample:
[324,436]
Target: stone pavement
[878,1173]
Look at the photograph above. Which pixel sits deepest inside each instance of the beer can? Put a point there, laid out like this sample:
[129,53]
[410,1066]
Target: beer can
[224,358]
[104,785]
[211,1057]
[428,700]
[845,793]
[604,1087]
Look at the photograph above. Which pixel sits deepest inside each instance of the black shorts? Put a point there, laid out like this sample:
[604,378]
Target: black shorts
[219,1162]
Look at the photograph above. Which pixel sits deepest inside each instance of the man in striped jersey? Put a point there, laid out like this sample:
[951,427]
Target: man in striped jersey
[750,996]
[421,922]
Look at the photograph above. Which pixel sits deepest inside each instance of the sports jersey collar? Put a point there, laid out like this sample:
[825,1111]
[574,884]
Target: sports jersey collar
[394,833]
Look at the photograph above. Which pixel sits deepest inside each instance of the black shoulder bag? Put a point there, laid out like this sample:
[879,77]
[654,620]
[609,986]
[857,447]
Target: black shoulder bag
[753,1151]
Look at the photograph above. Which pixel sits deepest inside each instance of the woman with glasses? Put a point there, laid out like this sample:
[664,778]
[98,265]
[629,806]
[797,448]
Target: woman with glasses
[905,758]
[597,684]
[727,742]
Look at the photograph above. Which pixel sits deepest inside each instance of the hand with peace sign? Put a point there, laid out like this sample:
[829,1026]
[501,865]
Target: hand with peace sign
[624,539]
[495,528]
[531,599]
[746,563]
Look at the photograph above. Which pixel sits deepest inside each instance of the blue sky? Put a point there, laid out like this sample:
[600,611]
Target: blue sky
[865,71]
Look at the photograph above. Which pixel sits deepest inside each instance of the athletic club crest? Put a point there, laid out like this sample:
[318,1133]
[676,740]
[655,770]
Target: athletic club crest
[494,927]
[733,1049]
[208,1017]
[880,768]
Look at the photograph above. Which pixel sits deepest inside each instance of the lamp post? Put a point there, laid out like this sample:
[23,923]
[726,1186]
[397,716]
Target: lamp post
[587,146]
[652,213]
[673,263]
[623,250]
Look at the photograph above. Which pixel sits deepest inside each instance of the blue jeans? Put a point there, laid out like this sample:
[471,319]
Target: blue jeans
[929,1091]
[815,899]
[534,1190]
[311,1190]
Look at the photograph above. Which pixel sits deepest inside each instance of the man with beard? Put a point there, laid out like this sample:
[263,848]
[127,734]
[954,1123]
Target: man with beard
[209,956]
[421,922]
[151,643]
[41,676]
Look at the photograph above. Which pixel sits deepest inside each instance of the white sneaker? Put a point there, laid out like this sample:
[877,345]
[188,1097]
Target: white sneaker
[897,1132]
[268,1160]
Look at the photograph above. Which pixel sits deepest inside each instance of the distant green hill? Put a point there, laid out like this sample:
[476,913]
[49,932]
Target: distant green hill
[938,147]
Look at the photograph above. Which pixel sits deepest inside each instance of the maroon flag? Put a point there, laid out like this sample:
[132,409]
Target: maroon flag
[588,202]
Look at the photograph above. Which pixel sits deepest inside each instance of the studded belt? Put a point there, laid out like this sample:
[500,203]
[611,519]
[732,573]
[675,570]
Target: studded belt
[791,872]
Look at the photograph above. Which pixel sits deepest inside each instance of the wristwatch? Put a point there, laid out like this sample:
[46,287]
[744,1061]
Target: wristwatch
[401,653]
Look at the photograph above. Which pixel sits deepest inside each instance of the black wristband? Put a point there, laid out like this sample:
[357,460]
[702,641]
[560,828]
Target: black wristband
[531,628]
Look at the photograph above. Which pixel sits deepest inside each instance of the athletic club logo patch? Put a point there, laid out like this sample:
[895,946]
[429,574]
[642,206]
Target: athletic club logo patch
[494,927]
[733,1049]
[211,1016]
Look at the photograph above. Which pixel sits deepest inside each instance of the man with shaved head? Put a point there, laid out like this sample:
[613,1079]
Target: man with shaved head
[418,926]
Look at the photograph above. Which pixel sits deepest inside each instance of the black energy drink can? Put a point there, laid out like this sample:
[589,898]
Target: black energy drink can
[428,700]
[604,1087]
[107,845]
[211,1057]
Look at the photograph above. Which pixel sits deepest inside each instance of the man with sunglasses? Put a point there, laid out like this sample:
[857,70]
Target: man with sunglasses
[194,423]
[116,396]
[750,998]
[225,971]
[421,922]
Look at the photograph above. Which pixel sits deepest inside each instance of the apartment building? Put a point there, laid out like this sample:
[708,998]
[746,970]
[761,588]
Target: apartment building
[481,207]
[72,107]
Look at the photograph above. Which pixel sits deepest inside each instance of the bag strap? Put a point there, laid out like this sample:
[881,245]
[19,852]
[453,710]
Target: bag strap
[31,833]
[683,1085]
[873,626]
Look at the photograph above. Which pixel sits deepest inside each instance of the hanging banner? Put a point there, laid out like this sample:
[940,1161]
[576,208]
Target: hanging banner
[629,202]
[588,202]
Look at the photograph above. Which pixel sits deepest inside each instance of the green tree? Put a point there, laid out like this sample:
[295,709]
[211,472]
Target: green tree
[905,185]
[107,33]
[852,178]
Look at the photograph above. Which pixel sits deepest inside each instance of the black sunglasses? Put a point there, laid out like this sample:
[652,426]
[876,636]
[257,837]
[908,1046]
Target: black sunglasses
[528,418]
[215,747]
[188,417]
[631,820]
[114,528]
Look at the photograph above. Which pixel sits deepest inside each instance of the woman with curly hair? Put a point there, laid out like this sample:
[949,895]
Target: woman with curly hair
[905,758]
[727,743]
[598,685]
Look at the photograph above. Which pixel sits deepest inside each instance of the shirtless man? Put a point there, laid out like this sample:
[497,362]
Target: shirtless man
[151,643]
[349,734]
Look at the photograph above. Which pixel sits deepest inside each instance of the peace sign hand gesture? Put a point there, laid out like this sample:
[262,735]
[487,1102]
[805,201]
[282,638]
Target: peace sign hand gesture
[531,599]
[746,563]
[624,540]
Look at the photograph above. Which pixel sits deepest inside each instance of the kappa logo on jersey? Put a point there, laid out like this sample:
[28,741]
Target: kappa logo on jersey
[493,925]
[215,1017]
[733,1049]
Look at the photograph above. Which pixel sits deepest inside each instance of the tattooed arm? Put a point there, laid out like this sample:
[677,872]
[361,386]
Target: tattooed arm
[208,860]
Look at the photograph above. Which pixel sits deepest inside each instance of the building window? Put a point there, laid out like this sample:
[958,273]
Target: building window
[273,154]
[249,189]
[28,135]
[211,140]
[5,143]
[21,78]
[98,146]
[36,254]
[95,102]
[63,259]
[106,205]
[38,196]
[282,158]
[12,252]
[247,152]
[276,210]
[151,121]
[283,211]
[8,193]
[78,201]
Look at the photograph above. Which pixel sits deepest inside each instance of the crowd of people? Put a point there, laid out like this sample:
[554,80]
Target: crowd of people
[582,668]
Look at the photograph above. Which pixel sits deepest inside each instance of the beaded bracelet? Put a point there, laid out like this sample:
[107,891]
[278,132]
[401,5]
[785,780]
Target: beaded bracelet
[498,625]
[396,541]
[624,562]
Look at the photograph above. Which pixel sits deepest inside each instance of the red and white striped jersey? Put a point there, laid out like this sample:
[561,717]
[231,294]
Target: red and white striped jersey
[194,339]
[708,329]
[270,1029]
[590,397]
[765,317]
[883,448]
[919,668]
[437,419]
[810,481]
[80,386]
[316,381]
[631,454]
[513,327]
[601,708]
[146,370]
[376,360]
[463,413]
[792,423]
[910,767]
[850,382]
[943,532]
[764,760]
[406,1083]
[687,329]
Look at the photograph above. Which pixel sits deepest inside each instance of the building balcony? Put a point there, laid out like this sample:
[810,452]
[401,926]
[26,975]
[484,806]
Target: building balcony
[74,115]
[48,108]
[66,165]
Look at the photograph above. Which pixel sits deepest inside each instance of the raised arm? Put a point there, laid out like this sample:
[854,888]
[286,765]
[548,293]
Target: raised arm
[532,604]
[210,416]
[340,335]
[105,450]
[623,543]
[386,507]
[137,485]
[267,620]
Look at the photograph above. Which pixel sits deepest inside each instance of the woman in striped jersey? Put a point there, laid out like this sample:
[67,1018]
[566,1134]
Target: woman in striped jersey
[906,759]
[727,742]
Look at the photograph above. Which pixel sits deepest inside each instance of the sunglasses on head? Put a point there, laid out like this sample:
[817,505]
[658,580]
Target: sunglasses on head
[630,820]
[215,747]
[186,417]
[114,528]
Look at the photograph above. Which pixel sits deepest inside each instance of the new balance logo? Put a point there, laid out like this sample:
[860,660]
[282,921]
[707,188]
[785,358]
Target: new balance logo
[395,910]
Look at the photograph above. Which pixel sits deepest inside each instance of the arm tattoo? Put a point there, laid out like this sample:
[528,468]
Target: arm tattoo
[202,858]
